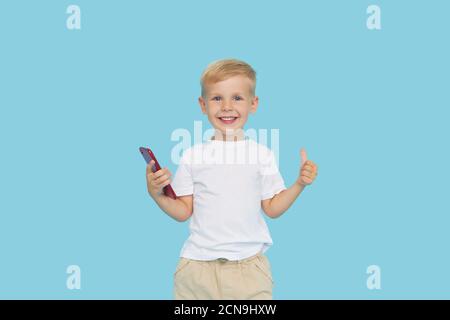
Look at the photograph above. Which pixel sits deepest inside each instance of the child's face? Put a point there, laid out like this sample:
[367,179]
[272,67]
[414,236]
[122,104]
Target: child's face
[228,104]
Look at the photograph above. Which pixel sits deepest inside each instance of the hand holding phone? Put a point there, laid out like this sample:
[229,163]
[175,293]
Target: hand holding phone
[150,158]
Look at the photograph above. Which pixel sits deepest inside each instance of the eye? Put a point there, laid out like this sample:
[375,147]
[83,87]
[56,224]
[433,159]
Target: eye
[217,98]
[238,98]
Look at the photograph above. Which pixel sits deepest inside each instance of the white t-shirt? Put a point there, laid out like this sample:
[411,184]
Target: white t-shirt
[228,180]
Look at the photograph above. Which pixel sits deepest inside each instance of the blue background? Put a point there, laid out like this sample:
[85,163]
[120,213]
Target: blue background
[370,107]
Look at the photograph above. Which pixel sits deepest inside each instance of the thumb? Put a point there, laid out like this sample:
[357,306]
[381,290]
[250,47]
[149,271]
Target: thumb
[152,165]
[303,156]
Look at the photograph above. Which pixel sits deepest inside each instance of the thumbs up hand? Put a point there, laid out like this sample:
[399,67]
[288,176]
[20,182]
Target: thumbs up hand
[308,170]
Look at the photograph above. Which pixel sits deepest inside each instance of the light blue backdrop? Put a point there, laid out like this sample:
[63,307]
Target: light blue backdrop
[370,107]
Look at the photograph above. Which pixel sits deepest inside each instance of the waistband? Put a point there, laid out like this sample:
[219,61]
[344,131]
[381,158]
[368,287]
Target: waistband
[226,261]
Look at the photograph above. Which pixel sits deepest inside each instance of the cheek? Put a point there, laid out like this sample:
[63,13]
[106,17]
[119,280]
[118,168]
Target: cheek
[215,105]
[212,109]
[244,111]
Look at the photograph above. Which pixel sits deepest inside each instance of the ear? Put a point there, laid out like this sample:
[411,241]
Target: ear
[202,104]
[254,106]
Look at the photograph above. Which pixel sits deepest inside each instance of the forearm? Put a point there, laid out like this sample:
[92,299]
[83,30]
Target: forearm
[174,208]
[283,200]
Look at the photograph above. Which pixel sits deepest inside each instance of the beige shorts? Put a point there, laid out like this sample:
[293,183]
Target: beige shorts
[221,279]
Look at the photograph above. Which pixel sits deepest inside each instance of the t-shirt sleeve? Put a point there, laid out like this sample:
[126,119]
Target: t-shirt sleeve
[182,182]
[272,182]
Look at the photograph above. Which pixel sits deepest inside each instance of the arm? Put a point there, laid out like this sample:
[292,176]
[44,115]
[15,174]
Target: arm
[279,203]
[179,209]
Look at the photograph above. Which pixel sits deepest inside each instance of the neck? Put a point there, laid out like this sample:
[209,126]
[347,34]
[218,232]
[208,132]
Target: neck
[219,136]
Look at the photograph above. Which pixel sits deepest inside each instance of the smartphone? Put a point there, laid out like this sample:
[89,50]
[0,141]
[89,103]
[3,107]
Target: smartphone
[148,156]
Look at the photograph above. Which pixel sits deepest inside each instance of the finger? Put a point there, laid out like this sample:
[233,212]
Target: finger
[149,166]
[159,183]
[311,166]
[307,180]
[164,183]
[162,178]
[310,163]
[150,176]
[152,166]
[303,156]
[308,174]
[309,169]
[160,172]
[166,172]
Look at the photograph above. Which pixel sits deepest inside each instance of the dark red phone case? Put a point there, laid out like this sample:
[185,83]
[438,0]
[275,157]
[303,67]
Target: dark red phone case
[148,156]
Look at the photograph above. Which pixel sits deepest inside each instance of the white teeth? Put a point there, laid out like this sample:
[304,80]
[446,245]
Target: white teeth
[226,118]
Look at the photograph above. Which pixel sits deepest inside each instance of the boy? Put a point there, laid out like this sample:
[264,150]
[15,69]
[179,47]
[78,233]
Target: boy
[223,258]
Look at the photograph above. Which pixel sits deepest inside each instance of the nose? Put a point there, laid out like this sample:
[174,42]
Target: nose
[226,106]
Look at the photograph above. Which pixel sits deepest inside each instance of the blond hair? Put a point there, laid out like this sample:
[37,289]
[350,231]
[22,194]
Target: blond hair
[223,69]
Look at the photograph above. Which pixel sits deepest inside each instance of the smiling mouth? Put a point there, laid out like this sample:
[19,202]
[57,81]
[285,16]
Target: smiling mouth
[228,120]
